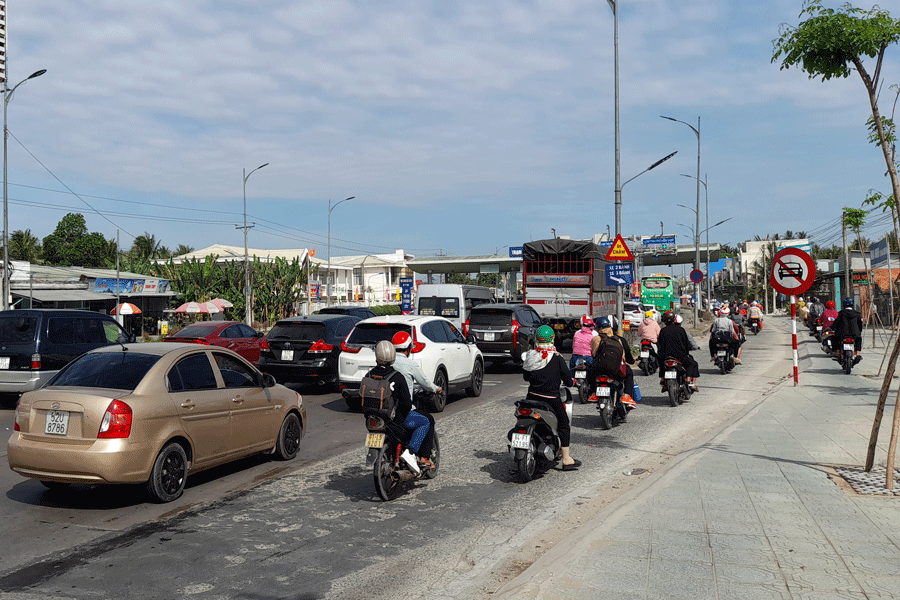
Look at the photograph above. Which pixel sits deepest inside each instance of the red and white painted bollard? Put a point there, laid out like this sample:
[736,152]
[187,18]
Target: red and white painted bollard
[794,336]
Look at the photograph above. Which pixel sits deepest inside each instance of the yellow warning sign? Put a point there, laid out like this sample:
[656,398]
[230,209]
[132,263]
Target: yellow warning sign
[619,251]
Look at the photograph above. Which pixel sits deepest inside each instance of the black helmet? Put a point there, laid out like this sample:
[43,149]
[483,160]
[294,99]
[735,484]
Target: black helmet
[848,302]
[668,317]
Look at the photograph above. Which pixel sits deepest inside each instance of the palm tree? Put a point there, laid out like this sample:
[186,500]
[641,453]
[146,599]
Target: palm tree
[182,250]
[23,245]
[145,247]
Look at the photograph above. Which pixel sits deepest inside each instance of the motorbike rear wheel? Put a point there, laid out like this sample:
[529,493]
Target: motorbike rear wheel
[847,363]
[387,480]
[722,362]
[527,465]
[645,366]
[606,413]
[672,386]
[435,458]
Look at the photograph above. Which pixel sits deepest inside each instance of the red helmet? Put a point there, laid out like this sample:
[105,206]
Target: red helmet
[830,304]
[401,340]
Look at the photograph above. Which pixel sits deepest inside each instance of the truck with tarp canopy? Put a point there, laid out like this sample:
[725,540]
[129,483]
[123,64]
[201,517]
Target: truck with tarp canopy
[563,280]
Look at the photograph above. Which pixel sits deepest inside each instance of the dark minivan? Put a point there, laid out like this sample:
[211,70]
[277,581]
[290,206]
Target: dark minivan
[305,349]
[36,343]
[503,331]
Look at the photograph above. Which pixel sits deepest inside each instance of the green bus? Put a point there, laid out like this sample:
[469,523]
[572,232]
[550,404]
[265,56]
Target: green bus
[659,290]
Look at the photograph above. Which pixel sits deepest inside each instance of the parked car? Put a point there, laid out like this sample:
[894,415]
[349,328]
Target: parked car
[233,335]
[306,349]
[152,413]
[357,311]
[503,331]
[447,358]
[36,343]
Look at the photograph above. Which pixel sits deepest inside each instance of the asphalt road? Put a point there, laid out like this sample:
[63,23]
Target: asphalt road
[315,528]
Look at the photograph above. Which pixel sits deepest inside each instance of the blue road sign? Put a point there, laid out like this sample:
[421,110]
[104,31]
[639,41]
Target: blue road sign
[515,251]
[406,285]
[660,240]
[619,274]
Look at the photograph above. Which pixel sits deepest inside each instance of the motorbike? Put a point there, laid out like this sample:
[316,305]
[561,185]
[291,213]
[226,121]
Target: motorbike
[754,325]
[386,441]
[581,380]
[825,339]
[649,360]
[818,332]
[845,355]
[609,401]
[535,438]
[675,376]
[724,355]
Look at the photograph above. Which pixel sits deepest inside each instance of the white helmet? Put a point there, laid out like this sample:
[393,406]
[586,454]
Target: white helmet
[385,353]
[678,319]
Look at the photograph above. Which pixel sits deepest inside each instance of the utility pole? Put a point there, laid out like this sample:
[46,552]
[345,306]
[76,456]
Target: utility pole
[848,284]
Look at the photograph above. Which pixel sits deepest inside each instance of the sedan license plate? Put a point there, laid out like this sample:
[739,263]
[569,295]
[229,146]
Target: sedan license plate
[670,375]
[375,440]
[489,337]
[645,354]
[57,422]
[4,362]
[521,441]
[603,392]
[287,355]
[580,374]
[720,353]
[848,346]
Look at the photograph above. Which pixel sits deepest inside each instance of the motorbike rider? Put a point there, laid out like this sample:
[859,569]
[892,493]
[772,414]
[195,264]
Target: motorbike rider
[828,315]
[726,325]
[649,329]
[802,310]
[608,336]
[848,324]
[415,376]
[545,370]
[755,312]
[693,345]
[673,341]
[419,424]
[581,343]
[816,308]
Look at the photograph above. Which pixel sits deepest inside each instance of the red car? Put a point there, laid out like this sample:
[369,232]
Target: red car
[233,335]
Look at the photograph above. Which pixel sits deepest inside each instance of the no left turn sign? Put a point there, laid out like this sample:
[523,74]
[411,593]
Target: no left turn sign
[793,271]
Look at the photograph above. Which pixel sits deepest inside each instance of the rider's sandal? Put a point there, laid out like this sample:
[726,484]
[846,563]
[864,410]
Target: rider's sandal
[424,462]
[574,466]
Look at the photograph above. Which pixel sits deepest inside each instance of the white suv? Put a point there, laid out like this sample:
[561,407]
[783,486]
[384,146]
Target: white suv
[438,347]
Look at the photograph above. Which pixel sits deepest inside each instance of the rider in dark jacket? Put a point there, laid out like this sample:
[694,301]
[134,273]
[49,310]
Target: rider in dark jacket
[673,341]
[849,325]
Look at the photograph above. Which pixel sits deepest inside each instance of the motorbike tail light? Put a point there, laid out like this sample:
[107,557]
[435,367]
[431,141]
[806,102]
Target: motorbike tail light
[645,343]
[116,421]
[848,340]
[35,362]
[671,363]
[374,422]
[264,344]
[417,346]
[524,412]
[604,379]
[351,348]
[320,347]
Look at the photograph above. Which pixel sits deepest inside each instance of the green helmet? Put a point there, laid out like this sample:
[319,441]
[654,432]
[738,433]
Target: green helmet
[544,335]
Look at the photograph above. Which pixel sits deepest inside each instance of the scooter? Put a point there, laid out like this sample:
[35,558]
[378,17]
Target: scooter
[535,437]
[581,380]
[826,336]
[754,325]
[676,384]
[385,442]
[609,402]
[845,355]
[724,357]
[649,360]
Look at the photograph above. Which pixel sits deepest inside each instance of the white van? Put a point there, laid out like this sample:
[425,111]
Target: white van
[451,300]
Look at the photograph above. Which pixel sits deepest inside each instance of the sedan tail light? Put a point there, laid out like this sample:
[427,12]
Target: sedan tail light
[352,349]
[320,347]
[116,421]
[466,328]
[417,346]
[35,362]
[515,331]
[264,344]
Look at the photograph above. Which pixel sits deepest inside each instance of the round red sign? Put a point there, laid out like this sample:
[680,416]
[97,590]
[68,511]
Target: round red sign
[793,271]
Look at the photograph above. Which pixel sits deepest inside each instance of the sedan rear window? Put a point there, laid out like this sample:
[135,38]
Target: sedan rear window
[109,370]
[17,329]
[304,331]
[369,334]
[194,331]
[487,316]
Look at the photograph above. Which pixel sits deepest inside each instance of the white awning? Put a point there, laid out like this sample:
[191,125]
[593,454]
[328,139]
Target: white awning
[43,295]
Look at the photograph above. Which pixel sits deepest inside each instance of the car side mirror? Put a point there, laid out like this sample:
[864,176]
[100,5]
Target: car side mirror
[132,338]
[268,380]
[260,334]
[470,339]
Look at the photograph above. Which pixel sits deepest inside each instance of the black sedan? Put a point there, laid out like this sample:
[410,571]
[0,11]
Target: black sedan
[305,349]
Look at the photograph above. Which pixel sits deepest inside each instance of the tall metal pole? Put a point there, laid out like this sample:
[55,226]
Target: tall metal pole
[248,314]
[328,276]
[7,96]
[708,279]
[620,290]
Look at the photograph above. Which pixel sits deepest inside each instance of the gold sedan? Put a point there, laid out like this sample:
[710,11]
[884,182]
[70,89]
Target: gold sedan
[152,413]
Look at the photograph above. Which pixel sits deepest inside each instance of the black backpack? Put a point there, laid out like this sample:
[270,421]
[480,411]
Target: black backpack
[608,357]
[377,395]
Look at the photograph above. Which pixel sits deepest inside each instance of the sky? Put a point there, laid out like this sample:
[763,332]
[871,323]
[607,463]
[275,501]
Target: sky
[460,128]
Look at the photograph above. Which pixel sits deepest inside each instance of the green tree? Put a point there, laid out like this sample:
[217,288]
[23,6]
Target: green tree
[23,245]
[71,244]
[833,43]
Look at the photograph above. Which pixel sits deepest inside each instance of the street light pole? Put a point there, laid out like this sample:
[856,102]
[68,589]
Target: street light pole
[696,130]
[614,5]
[7,96]
[706,193]
[328,276]
[248,315]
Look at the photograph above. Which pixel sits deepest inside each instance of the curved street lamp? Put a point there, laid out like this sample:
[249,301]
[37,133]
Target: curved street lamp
[696,130]
[248,315]
[328,277]
[7,96]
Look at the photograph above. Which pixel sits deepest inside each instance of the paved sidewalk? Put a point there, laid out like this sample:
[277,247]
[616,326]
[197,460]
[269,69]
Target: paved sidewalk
[756,513]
